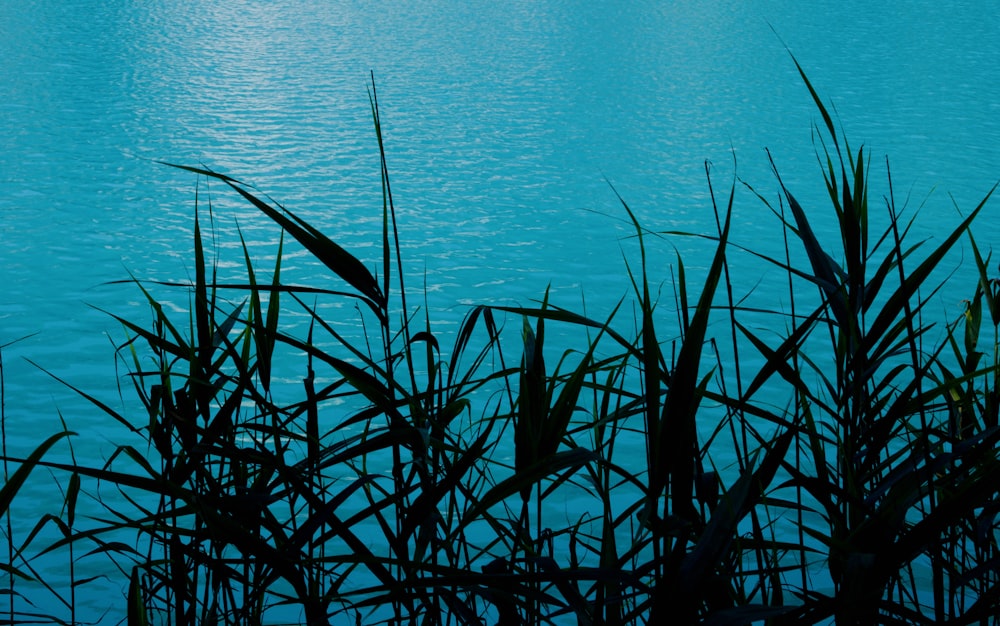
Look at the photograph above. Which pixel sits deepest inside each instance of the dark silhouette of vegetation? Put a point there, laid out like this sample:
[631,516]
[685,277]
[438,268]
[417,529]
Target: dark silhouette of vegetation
[413,482]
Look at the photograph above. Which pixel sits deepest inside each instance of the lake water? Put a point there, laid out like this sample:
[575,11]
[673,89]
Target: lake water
[504,123]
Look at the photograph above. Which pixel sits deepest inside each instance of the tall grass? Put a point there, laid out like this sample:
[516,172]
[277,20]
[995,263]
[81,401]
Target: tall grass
[411,481]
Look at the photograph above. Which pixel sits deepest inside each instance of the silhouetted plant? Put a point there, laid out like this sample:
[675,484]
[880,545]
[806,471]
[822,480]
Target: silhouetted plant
[379,490]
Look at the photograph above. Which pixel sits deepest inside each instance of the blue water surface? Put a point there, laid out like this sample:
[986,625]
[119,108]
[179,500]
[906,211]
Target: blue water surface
[504,125]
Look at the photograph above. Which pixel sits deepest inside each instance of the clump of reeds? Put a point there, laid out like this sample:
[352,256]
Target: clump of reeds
[871,498]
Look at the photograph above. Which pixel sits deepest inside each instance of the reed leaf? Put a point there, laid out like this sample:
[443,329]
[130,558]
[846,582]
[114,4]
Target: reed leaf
[918,277]
[334,257]
[16,480]
[527,477]
[834,479]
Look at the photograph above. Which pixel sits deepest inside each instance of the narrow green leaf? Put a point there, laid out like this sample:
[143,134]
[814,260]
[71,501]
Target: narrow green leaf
[203,314]
[714,543]
[918,277]
[528,478]
[72,494]
[136,603]
[827,274]
[334,257]
[819,103]
[18,478]
[677,432]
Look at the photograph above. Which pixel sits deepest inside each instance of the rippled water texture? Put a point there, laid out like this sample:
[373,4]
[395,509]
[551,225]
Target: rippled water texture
[504,123]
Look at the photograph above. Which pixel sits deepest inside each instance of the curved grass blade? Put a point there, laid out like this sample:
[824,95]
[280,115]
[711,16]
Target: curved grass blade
[18,478]
[334,257]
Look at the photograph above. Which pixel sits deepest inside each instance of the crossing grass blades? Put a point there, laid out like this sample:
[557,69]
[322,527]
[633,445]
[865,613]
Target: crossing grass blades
[408,481]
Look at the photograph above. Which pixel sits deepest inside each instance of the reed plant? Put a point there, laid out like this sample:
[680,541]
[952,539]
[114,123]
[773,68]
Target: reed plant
[899,450]
[415,477]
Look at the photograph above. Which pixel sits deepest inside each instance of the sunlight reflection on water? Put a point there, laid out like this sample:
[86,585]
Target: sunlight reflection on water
[504,124]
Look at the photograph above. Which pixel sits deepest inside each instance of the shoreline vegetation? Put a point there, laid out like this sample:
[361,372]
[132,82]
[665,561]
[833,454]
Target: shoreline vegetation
[870,497]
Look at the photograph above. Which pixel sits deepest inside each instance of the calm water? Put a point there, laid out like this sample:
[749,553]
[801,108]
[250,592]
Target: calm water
[503,122]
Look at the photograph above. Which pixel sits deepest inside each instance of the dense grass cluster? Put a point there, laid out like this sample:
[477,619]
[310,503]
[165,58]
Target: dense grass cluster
[412,482]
